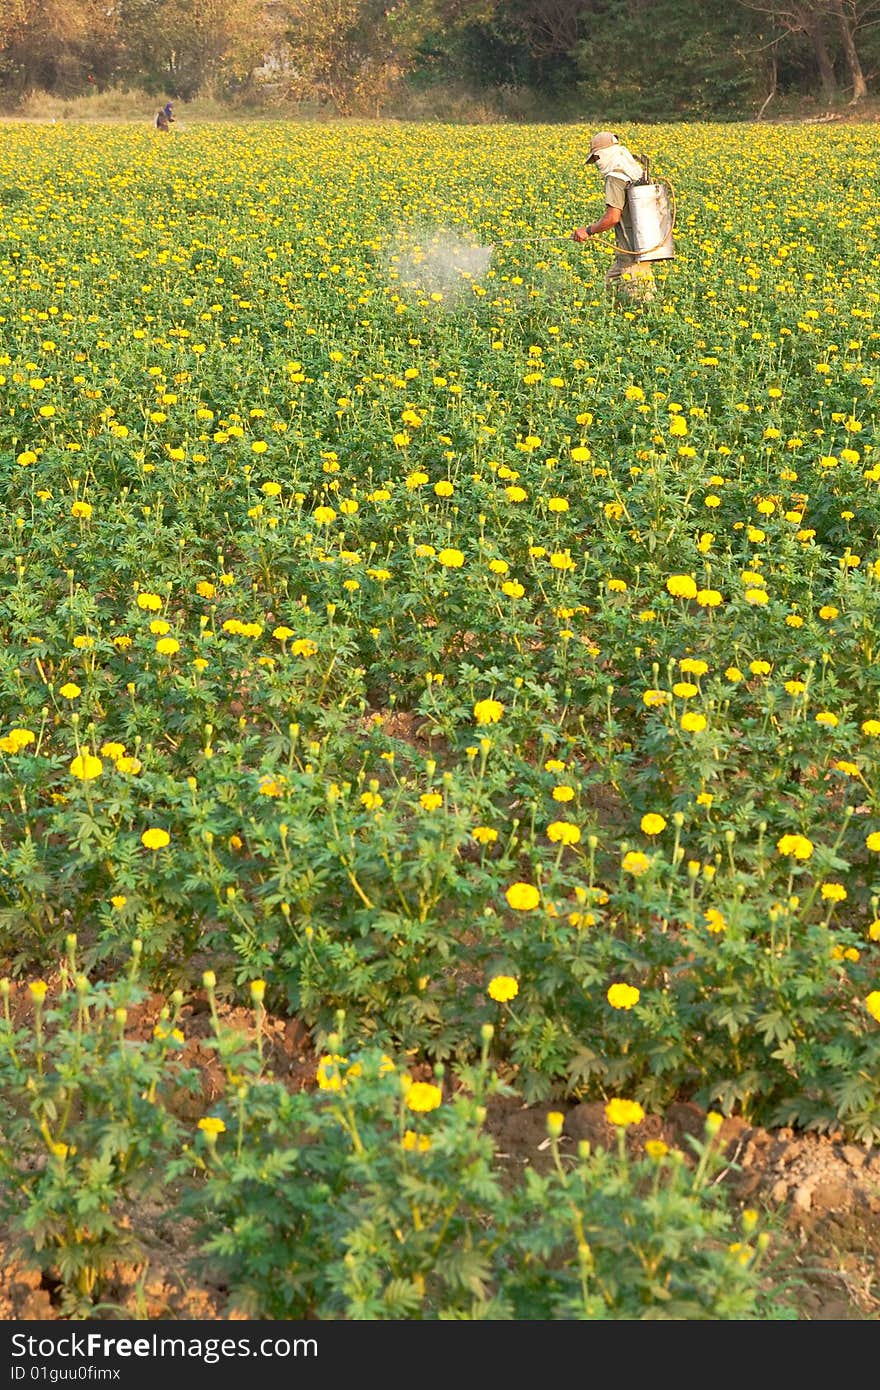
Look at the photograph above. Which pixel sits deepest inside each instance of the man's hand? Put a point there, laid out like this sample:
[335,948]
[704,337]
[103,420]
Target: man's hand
[579,234]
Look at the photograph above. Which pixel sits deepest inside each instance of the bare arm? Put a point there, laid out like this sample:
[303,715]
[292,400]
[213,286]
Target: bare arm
[609,219]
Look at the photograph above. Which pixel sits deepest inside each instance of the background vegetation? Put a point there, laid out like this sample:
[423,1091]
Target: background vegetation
[520,59]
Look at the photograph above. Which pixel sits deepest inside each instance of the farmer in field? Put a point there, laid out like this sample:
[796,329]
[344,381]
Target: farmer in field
[165,117]
[627,275]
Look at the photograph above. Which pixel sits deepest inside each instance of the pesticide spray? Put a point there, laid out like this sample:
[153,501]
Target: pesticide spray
[437,262]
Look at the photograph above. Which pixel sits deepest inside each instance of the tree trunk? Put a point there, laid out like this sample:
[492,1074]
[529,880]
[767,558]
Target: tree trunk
[850,53]
[771,86]
[812,26]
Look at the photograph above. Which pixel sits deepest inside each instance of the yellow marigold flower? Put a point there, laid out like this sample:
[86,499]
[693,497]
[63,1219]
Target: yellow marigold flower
[709,598]
[874,930]
[678,426]
[581,454]
[622,996]
[159,627]
[324,515]
[826,717]
[756,597]
[38,990]
[83,510]
[760,668]
[563,793]
[795,846]
[112,750]
[655,697]
[118,901]
[417,1143]
[522,897]
[70,690]
[422,1097]
[484,834]
[210,1124]
[150,602]
[616,586]
[635,862]
[155,838]
[873,842]
[656,1149]
[652,824]
[205,589]
[167,646]
[503,988]
[828,612]
[833,892]
[444,488]
[715,920]
[451,558]
[86,767]
[734,674]
[693,723]
[371,800]
[557,504]
[488,711]
[681,586]
[561,560]
[129,765]
[17,739]
[693,666]
[871,727]
[872,1004]
[271,489]
[303,646]
[685,690]
[430,801]
[562,832]
[624,1112]
[795,687]
[328,1074]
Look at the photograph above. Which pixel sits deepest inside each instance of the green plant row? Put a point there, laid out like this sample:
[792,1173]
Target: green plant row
[373,1195]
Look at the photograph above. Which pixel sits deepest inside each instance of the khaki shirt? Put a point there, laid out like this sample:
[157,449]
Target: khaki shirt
[615,197]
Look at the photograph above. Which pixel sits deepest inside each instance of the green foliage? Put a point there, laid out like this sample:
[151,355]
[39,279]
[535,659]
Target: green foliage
[668,59]
[86,1126]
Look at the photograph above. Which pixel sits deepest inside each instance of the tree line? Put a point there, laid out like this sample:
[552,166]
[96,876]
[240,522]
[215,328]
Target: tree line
[638,59]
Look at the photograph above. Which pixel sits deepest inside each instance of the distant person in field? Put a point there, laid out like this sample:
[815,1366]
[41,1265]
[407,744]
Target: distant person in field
[165,117]
[620,169]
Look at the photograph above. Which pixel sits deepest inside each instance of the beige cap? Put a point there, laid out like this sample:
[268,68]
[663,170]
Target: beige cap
[601,141]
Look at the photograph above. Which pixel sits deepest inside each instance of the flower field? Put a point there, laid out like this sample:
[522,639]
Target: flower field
[483,655]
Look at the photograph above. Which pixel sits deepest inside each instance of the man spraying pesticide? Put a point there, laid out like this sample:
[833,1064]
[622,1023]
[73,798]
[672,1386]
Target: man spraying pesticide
[638,210]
